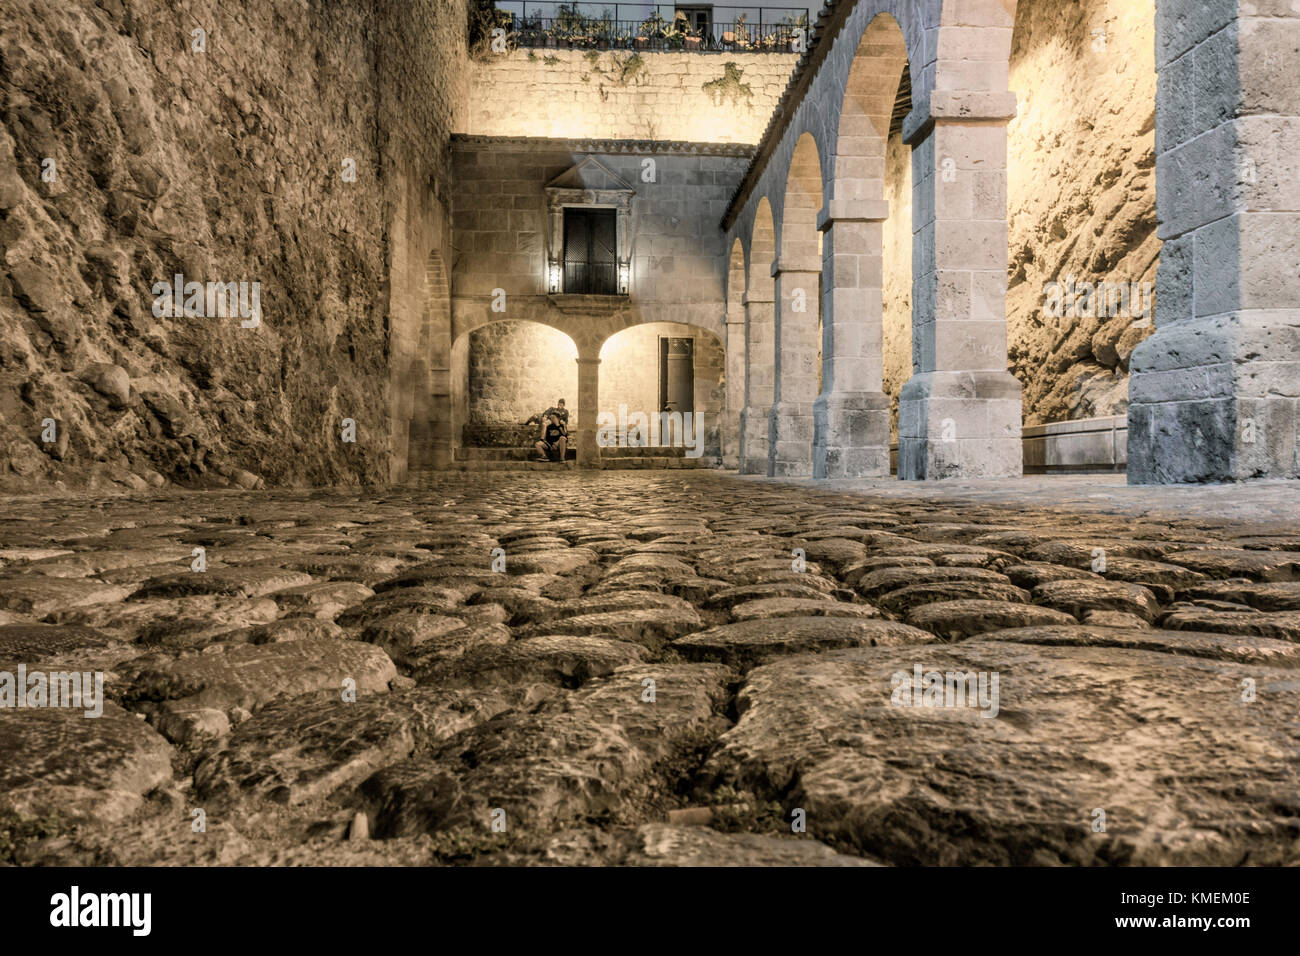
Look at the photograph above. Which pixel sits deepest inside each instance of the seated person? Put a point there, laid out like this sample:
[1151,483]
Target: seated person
[556,409]
[555,439]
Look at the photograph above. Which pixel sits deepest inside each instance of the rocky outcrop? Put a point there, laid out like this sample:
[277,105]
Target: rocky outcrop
[142,140]
[1081,199]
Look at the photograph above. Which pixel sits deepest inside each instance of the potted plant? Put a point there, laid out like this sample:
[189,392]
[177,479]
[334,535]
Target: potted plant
[740,35]
[651,28]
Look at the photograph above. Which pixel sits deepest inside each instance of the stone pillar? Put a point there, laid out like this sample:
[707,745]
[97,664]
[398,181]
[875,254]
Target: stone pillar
[959,413]
[588,400]
[851,415]
[1214,394]
[735,393]
[759,322]
[790,424]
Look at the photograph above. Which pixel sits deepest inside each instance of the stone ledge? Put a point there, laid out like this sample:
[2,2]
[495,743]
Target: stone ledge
[972,106]
[582,145]
[852,210]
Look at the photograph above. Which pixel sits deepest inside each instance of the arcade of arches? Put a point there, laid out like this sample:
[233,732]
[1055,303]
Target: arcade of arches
[874,309]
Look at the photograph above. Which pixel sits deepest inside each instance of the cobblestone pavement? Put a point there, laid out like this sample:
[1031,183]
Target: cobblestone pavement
[646,669]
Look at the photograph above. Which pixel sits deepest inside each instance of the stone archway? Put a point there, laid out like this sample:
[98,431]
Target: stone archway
[760,354]
[735,363]
[426,392]
[797,274]
[852,420]
[504,371]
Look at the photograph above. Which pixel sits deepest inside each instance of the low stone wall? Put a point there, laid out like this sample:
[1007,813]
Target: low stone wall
[691,97]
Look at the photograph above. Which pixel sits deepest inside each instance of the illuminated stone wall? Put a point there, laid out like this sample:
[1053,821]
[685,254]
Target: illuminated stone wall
[690,97]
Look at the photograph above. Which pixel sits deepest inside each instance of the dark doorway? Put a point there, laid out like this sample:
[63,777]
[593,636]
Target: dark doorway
[700,17]
[590,260]
[676,374]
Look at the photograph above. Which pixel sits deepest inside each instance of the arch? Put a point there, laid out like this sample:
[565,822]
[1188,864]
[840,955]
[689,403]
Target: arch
[424,390]
[800,203]
[866,113]
[760,343]
[630,386]
[502,372]
[797,297]
[734,373]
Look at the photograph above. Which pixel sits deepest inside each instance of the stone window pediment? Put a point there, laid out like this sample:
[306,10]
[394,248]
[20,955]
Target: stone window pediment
[589,183]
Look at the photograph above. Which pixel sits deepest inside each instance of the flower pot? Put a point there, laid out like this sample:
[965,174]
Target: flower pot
[692,43]
[641,42]
[603,44]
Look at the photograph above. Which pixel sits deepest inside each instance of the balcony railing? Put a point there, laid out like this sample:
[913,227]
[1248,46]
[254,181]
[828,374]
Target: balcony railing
[729,29]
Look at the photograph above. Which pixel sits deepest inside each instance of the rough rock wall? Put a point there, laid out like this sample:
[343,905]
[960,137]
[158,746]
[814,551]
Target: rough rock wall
[223,164]
[897,293]
[573,94]
[1080,196]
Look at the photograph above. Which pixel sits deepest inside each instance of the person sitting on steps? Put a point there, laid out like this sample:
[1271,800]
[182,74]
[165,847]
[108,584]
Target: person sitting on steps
[555,439]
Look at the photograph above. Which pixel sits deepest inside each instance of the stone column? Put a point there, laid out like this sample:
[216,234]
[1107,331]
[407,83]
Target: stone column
[851,415]
[790,424]
[588,400]
[1214,394]
[959,413]
[759,321]
[735,394]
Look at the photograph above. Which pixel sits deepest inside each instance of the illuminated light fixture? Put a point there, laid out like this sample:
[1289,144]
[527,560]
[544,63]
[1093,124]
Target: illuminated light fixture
[624,276]
[553,276]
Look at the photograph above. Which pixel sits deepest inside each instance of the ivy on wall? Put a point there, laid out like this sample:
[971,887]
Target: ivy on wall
[728,86]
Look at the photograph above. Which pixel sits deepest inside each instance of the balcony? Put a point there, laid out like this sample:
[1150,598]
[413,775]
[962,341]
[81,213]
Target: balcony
[654,28]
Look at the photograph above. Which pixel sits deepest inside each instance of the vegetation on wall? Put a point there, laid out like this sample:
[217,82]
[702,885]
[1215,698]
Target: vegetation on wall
[728,86]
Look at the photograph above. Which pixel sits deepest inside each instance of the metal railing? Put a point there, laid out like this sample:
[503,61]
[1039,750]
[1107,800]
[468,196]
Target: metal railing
[733,29]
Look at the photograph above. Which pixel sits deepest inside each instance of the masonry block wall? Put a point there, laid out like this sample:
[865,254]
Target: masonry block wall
[500,225]
[518,369]
[689,97]
[1215,392]
[221,165]
[629,375]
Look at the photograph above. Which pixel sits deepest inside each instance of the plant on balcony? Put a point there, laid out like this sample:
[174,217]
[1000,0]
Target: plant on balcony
[651,28]
[602,30]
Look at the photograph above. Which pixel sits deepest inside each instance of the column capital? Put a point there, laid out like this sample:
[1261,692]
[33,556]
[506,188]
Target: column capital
[957,106]
[852,210]
[796,264]
[752,299]
[585,360]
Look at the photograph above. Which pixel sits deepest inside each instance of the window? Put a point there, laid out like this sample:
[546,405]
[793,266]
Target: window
[699,17]
[590,252]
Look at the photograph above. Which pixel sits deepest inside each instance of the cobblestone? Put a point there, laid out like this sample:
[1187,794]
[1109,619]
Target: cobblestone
[649,643]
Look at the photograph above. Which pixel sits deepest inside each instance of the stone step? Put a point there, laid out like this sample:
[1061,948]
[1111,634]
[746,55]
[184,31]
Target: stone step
[508,465]
[650,462]
[501,454]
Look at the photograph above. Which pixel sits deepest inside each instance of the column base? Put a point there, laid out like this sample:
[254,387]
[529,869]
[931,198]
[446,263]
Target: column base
[753,441]
[1215,399]
[960,425]
[851,435]
[790,438]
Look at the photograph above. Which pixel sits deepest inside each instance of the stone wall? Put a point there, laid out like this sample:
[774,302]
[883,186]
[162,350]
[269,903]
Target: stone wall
[629,375]
[572,94]
[222,164]
[501,235]
[1080,196]
[518,369]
